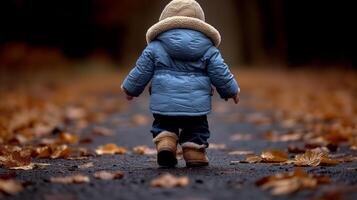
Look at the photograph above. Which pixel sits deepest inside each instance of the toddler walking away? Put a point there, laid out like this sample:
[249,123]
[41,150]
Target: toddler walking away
[182,62]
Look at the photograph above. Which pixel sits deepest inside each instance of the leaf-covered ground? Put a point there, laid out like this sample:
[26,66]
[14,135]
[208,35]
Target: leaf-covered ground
[293,136]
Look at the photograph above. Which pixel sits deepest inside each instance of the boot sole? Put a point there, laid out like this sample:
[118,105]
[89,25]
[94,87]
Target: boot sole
[166,158]
[197,164]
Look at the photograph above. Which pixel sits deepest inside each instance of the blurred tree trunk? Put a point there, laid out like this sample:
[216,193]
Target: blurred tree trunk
[223,16]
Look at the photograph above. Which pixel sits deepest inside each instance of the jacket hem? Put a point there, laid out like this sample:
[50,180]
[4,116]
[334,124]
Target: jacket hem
[181,113]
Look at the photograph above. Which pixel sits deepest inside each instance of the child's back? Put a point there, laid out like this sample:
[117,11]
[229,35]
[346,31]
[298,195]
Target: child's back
[182,63]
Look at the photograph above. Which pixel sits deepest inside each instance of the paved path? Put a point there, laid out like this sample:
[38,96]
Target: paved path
[221,180]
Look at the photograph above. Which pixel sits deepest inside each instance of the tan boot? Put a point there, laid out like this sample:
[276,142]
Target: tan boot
[166,146]
[194,154]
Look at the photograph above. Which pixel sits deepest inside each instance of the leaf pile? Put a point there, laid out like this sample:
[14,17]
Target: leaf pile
[322,104]
[44,118]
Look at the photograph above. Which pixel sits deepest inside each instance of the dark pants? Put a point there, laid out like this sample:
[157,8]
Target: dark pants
[188,129]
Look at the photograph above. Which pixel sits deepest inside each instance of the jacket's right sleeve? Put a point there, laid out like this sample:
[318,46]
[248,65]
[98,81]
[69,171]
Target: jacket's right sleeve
[220,75]
[141,75]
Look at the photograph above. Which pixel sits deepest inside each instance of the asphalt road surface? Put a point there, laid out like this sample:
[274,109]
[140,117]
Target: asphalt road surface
[221,180]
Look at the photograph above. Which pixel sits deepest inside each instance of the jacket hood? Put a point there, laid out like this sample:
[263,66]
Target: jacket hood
[184,14]
[185,44]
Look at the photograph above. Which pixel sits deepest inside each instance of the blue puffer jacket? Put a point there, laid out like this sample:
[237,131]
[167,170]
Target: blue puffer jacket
[182,64]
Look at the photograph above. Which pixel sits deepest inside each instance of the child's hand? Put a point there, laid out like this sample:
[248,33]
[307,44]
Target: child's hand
[128,96]
[235,99]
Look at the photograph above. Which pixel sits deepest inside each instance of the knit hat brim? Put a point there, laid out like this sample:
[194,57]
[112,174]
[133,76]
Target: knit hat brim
[183,22]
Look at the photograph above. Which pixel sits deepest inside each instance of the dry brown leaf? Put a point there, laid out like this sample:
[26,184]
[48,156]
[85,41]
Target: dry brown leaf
[10,186]
[144,150]
[241,137]
[345,158]
[313,158]
[106,175]
[253,159]
[47,141]
[140,120]
[61,151]
[217,146]
[286,137]
[103,131]
[110,149]
[258,119]
[309,158]
[78,178]
[14,157]
[57,151]
[170,181]
[86,165]
[75,113]
[67,138]
[240,152]
[31,166]
[274,156]
[86,140]
[286,183]
[289,123]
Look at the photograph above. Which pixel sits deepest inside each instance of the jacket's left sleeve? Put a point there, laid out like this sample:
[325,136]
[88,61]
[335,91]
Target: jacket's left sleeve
[220,75]
[141,75]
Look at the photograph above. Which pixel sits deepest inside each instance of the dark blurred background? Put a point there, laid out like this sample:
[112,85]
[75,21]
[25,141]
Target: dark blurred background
[290,33]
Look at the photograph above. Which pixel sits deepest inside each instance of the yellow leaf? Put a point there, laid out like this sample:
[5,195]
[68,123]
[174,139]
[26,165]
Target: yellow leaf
[110,149]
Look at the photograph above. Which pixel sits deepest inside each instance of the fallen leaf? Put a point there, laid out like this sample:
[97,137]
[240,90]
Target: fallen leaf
[67,138]
[105,175]
[170,181]
[258,119]
[75,113]
[241,137]
[286,183]
[86,141]
[14,157]
[140,120]
[103,131]
[313,158]
[289,123]
[61,151]
[86,165]
[345,158]
[110,149]
[10,186]
[31,166]
[217,146]
[144,150]
[274,156]
[253,159]
[286,137]
[240,152]
[78,178]
[57,151]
